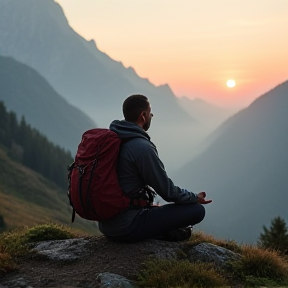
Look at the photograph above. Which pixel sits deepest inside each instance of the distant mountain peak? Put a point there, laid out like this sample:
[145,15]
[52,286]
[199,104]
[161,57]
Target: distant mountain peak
[165,88]
[92,43]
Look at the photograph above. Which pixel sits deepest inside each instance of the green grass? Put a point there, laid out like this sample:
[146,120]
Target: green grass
[15,243]
[173,273]
[48,232]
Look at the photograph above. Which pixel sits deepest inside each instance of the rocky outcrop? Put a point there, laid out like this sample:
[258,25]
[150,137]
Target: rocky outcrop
[67,250]
[209,253]
[99,262]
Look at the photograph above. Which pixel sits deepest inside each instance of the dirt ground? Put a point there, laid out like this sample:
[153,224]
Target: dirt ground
[104,256]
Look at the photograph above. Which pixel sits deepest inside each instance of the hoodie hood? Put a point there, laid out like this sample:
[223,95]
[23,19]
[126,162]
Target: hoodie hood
[126,130]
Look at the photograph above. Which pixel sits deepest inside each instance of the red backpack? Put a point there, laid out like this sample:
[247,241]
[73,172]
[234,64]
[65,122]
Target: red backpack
[93,187]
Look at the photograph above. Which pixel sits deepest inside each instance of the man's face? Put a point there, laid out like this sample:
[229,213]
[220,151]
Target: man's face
[147,118]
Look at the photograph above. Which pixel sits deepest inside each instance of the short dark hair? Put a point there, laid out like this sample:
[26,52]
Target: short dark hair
[133,106]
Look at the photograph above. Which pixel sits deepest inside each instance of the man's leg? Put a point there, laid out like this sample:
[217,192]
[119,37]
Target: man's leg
[160,220]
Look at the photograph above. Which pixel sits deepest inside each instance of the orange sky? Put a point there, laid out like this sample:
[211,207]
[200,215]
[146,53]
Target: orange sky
[193,45]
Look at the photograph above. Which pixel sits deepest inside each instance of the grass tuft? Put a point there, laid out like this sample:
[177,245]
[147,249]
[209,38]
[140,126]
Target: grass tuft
[251,281]
[6,263]
[14,243]
[199,237]
[261,266]
[173,273]
[46,232]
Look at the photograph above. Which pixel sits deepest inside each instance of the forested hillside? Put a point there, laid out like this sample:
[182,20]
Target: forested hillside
[27,93]
[33,178]
[31,148]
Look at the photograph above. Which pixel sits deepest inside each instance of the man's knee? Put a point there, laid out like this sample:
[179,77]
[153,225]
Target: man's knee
[201,213]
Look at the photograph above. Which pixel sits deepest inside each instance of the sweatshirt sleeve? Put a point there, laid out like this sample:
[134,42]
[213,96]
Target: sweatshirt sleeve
[153,172]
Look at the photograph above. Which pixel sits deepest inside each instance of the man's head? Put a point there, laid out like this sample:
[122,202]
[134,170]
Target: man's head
[136,109]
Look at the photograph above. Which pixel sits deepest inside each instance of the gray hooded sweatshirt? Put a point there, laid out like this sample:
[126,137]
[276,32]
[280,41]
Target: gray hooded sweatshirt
[139,165]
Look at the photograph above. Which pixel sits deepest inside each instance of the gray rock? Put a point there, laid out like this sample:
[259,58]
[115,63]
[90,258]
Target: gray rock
[16,283]
[110,280]
[210,253]
[67,250]
[161,249]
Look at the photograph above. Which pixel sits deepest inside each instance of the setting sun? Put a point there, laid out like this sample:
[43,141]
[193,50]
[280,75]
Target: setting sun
[231,83]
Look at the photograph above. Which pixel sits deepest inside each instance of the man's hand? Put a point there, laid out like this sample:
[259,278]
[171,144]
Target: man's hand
[201,198]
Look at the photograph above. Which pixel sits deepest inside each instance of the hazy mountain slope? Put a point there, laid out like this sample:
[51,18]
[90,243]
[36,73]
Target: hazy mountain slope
[207,114]
[27,198]
[38,34]
[245,170]
[27,93]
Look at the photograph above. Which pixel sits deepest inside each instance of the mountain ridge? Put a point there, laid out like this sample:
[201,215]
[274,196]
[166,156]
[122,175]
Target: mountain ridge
[26,92]
[88,78]
[208,115]
[245,167]
[73,65]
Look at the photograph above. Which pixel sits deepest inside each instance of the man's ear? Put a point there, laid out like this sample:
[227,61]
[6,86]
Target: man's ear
[143,115]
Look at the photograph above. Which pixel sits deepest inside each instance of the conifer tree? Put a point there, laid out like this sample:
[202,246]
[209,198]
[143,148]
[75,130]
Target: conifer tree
[276,237]
[3,225]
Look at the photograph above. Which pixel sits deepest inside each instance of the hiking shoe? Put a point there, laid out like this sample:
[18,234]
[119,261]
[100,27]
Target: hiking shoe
[180,234]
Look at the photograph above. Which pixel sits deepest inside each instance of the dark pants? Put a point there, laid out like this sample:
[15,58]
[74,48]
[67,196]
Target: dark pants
[156,221]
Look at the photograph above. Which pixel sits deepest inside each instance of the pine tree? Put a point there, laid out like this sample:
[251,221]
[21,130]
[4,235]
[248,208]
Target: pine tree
[276,237]
[3,225]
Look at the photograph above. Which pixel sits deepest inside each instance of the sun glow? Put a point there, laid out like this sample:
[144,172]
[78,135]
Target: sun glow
[231,83]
